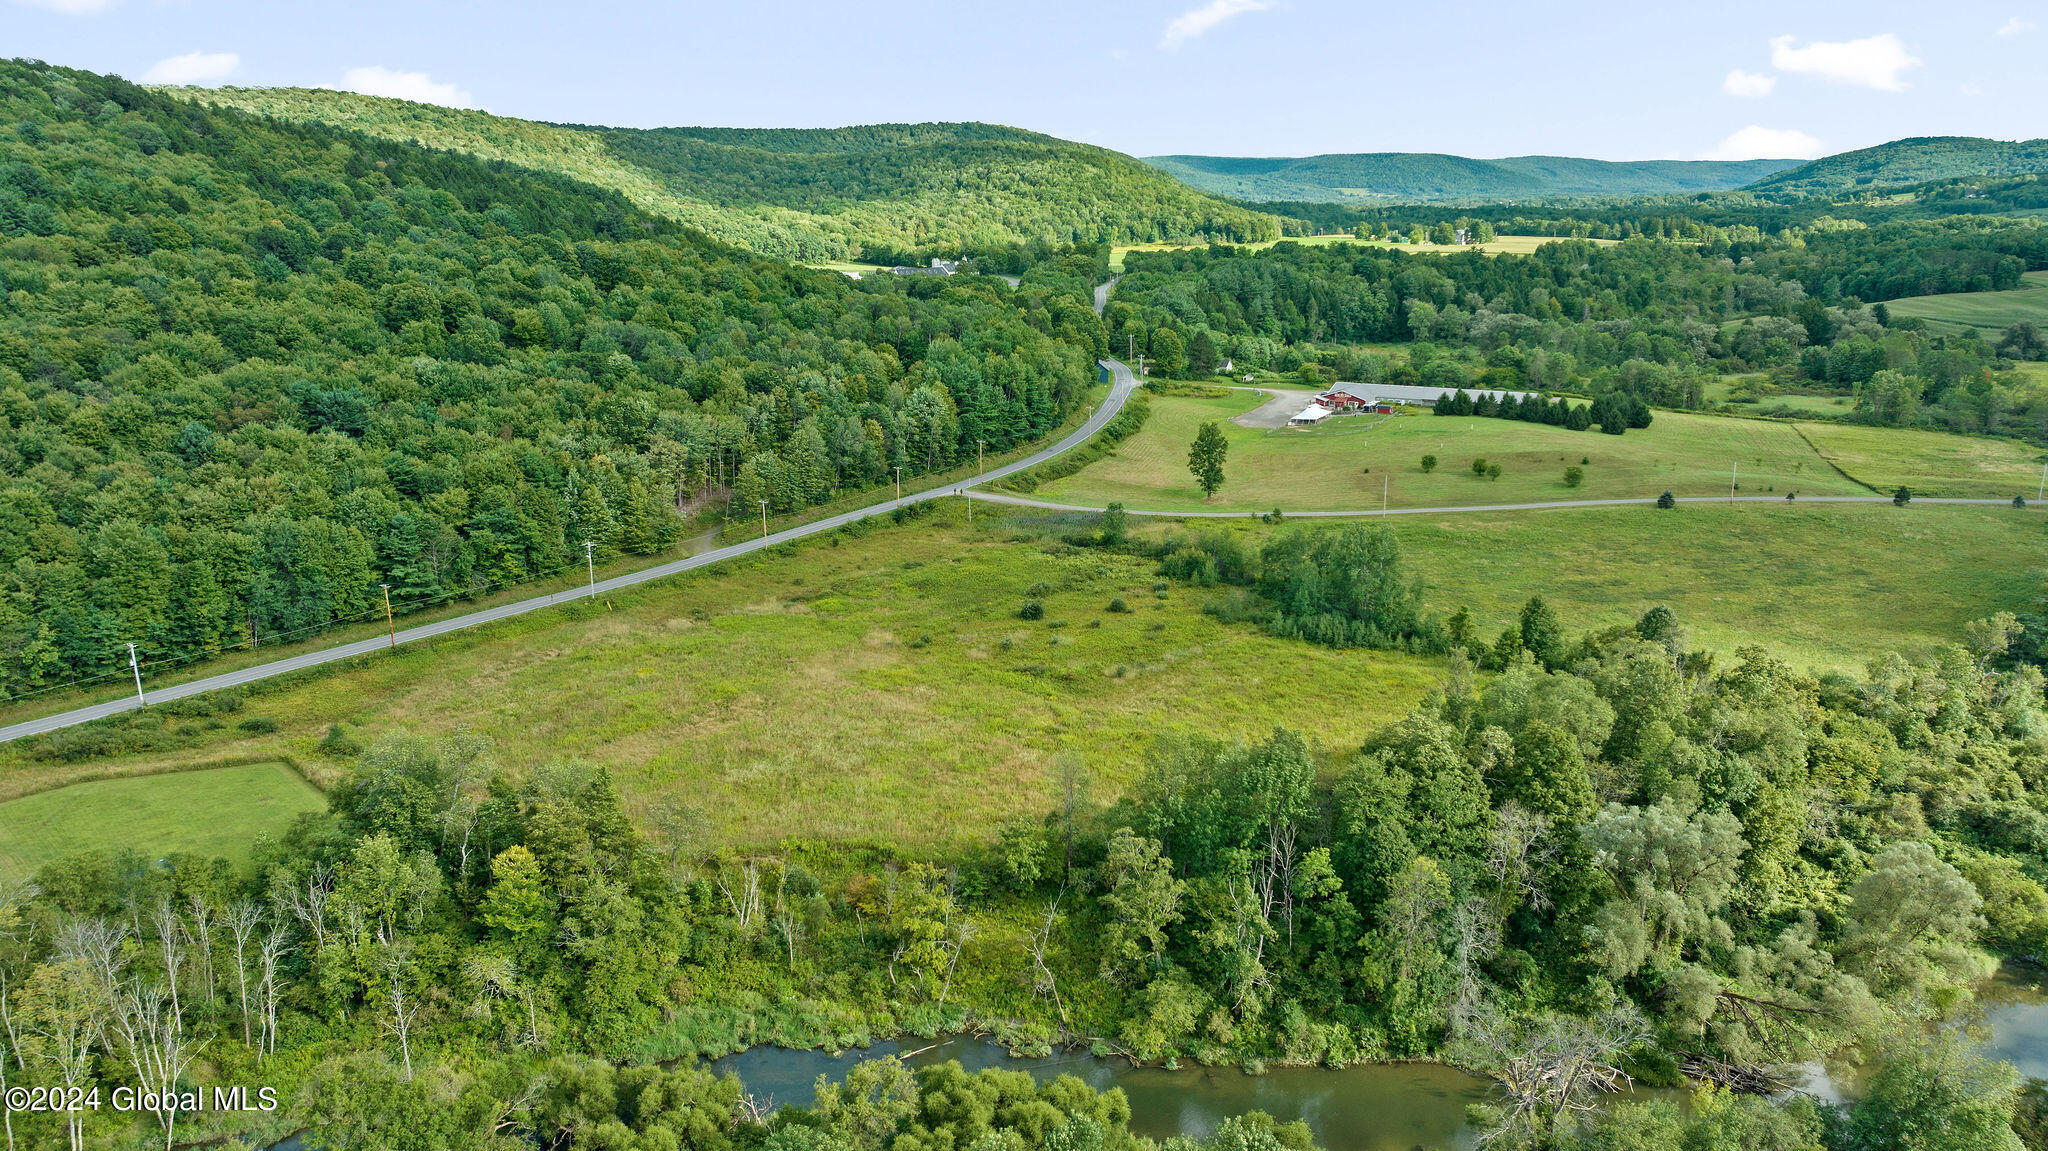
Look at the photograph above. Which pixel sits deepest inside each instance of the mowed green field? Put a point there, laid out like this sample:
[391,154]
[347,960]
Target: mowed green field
[215,812]
[1988,313]
[1930,463]
[1325,468]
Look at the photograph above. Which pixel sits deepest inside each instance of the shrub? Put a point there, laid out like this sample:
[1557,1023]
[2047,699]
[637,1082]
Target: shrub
[1479,466]
[1573,477]
[337,742]
[1117,606]
[1031,609]
[1902,497]
[2017,501]
[258,725]
[1493,471]
[1041,588]
[1429,463]
[1667,500]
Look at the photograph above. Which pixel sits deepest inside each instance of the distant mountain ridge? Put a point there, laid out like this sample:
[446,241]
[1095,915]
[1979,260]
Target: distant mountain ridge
[1422,177]
[1915,160]
[821,194]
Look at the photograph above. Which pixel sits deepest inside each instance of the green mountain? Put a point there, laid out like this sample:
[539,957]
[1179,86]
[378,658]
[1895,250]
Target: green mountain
[1913,161]
[816,194]
[250,369]
[1427,177]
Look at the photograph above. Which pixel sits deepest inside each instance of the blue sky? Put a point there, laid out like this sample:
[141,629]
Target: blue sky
[1620,81]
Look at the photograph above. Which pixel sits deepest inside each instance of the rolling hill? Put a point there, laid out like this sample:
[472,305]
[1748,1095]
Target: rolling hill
[1917,160]
[1417,177]
[815,194]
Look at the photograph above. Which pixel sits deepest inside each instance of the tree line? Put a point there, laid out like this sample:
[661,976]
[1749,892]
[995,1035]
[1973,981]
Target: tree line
[251,370]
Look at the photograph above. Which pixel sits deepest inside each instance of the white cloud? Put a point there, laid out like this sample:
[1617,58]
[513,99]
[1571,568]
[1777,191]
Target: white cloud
[193,68]
[1760,143]
[70,7]
[1874,61]
[417,86]
[2015,26]
[1196,21]
[1750,84]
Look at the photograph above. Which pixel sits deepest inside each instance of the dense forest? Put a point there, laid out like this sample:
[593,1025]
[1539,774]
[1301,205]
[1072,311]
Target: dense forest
[249,370]
[1916,160]
[1617,857]
[1654,320]
[824,194]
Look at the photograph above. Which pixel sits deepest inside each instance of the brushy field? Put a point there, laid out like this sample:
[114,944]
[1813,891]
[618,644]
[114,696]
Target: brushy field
[886,689]
[1930,463]
[883,688]
[1988,313]
[216,812]
[1349,462]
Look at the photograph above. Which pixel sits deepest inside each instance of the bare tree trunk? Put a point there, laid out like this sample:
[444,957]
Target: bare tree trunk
[243,919]
[202,938]
[1043,982]
[170,933]
[404,1009]
[274,946]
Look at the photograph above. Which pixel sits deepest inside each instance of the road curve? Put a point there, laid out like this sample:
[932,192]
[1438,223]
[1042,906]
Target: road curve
[1021,501]
[1122,384]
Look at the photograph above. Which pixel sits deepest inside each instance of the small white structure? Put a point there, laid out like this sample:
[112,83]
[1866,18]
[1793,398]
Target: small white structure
[1313,414]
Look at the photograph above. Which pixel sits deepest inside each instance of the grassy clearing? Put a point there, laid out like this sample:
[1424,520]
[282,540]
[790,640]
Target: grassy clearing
[218,812]
[1819,585]
[1930,463]
[1326,468]
[1500,245]
[1988,313]
[797,693]
[886,688]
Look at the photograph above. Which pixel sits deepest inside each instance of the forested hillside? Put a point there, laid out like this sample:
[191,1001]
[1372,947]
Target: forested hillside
[251,369]
[1913,161]
[1655,320]
[1426,177]
[882,191]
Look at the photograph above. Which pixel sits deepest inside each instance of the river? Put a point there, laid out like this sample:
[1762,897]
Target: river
[1370,1107]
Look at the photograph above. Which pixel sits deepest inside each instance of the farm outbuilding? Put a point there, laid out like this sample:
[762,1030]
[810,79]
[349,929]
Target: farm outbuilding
[1313,414]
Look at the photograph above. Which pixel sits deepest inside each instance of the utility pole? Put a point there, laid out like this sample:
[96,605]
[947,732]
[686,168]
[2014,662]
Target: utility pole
[764,519]
[1385,480]
[899,484]
[979,444]
[589,561]
[1734,471]
[137,665]
[389,623]
[969,493]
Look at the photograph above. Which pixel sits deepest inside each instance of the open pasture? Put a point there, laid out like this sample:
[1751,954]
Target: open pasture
[1499,245]
[886,688]
[1987,313]
[1351,462]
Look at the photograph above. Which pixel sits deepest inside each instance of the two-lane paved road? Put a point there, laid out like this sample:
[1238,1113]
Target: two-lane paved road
[1122,383]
